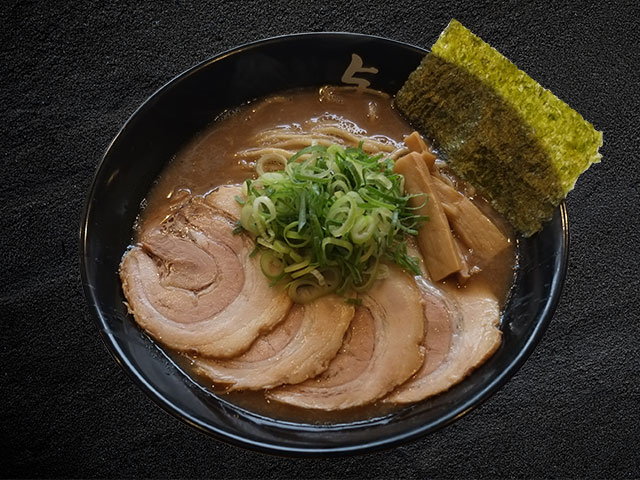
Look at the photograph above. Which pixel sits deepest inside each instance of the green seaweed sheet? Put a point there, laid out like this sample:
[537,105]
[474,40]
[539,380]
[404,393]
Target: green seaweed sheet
[521,146]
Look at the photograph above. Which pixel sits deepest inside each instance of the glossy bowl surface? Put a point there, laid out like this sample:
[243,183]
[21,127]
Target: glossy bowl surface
[167,121]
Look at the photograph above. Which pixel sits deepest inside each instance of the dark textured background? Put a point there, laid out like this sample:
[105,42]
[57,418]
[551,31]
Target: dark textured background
[73,72]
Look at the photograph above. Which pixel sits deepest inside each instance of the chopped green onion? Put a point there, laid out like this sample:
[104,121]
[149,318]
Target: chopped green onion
[297,266]
[363,229]
[344,244]
[304,271]
[294,238]
[272,265]
[327,219]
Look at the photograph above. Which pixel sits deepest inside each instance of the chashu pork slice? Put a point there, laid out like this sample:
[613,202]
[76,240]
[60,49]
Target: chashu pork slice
[454,350]
[381,350]
[224,198]
[298,348]
[193,286]
[438,326]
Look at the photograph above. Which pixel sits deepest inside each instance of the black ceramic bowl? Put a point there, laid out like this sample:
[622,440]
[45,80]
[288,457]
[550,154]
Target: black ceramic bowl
[166,122]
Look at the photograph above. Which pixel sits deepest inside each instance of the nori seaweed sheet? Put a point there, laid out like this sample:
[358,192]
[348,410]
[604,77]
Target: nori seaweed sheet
[522,147]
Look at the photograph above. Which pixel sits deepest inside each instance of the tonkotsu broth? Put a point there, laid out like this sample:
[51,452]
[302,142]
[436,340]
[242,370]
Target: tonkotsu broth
[212,159]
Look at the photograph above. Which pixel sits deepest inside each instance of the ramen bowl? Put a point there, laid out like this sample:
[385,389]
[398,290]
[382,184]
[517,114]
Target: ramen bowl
[167,121]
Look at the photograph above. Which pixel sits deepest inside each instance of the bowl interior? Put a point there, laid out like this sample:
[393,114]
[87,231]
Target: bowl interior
[166,122]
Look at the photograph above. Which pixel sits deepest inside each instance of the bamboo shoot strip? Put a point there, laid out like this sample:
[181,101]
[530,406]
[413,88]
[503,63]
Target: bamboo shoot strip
[475,230]
[435,240]
[415,143]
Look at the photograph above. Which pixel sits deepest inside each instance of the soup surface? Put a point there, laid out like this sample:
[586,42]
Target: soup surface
[226,154]
[215,156]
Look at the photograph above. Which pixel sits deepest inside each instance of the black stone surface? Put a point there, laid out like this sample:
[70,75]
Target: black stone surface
[73,72]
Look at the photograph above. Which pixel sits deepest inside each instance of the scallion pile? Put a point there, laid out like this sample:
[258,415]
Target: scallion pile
[326,221]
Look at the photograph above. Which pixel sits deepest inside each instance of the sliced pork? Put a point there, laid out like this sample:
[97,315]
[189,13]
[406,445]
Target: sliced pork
[224,198]
[382,349]
[453,351]
[438,326]
[298,348]
[192,285]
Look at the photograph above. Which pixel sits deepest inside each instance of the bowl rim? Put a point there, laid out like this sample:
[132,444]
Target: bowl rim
[550,305]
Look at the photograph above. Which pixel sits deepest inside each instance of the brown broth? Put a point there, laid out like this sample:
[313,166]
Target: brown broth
[212,159]
[257,403]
